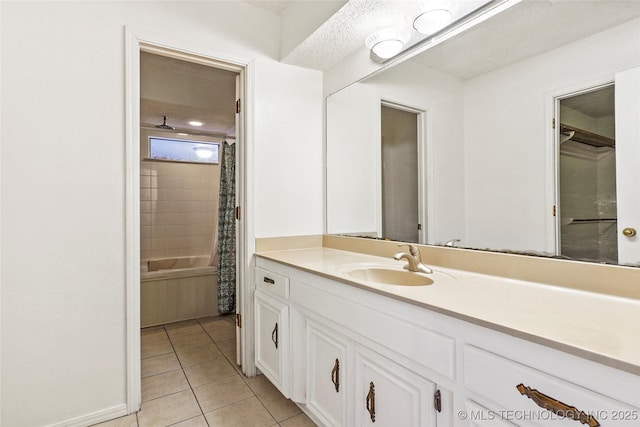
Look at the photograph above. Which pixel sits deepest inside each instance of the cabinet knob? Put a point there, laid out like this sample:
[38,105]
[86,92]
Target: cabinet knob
[629,232]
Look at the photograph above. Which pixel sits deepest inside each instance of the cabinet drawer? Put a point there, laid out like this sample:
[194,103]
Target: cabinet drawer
[527,396]
[272,283]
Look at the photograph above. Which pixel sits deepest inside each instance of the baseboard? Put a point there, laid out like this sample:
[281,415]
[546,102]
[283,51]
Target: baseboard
[94,418]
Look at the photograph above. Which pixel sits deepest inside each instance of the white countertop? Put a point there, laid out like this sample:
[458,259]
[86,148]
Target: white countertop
[602,328]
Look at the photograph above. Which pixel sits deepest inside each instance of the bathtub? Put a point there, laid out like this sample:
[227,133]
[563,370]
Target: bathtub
[175,289]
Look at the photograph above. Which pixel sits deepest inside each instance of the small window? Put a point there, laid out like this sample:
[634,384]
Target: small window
[183,150]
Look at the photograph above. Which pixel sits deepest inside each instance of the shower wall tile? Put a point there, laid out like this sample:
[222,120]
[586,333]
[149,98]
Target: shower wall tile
[145,219]
[178,208]
[145,181]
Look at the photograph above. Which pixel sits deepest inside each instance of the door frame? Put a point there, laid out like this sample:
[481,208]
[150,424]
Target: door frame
[424,168]
[553,153]
[135,42]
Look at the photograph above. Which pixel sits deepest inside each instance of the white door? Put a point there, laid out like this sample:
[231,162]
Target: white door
[627,96]
[327,370]
[389,395]
[272,331]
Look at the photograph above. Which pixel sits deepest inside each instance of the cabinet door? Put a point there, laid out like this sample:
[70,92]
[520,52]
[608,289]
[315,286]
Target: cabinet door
[327,388]
[389,395]
[272,339]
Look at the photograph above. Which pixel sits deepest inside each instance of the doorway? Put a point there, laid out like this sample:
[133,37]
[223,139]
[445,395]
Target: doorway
[187,143]
[400,171]
[597,150]
[587,175]
[135,47]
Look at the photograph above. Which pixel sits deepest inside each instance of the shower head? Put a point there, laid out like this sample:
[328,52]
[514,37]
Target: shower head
[164,124]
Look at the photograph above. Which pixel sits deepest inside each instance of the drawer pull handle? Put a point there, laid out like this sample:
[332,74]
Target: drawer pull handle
[371,402]
[557,407]
[269,281]
[274,335]
[335,375]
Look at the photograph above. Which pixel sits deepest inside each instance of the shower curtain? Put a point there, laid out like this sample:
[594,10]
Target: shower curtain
[227,231]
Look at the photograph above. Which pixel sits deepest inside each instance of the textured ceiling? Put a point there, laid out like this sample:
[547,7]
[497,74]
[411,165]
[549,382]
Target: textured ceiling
[346,31]
[526,29]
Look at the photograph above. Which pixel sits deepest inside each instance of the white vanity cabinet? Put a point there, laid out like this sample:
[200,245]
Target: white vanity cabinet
[547,388]
[272,328]
[350,384]
[356,369]
[354,357]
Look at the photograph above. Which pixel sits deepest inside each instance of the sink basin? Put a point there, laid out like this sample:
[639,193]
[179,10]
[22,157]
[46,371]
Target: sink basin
[387,276]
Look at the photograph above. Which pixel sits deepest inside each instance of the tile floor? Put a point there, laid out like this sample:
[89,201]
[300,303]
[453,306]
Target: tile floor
[190,379]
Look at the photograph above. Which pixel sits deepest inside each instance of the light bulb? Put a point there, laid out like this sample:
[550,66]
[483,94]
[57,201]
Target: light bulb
[387,42]
[432,21]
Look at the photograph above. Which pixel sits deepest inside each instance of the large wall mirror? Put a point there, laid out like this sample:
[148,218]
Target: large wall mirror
[524,131]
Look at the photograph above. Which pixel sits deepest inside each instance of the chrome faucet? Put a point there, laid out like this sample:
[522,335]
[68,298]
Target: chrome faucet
[414,259]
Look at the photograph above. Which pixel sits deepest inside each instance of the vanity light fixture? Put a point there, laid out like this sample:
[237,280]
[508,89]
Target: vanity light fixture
[203,152]
[432,21]
[195,123]
[387,42]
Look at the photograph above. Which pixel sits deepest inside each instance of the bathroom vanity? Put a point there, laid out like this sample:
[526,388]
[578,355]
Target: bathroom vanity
[470,349]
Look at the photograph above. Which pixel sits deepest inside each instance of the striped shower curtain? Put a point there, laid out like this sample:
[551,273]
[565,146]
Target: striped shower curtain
[227,231]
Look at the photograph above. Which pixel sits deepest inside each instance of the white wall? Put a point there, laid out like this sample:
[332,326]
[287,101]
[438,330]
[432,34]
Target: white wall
[288,151]
[352,161]
[63,168]
[506,128]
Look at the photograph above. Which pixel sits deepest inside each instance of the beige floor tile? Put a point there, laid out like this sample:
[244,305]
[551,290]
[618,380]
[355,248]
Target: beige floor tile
[228,347]
[169,410]
[220,330]
[155,336]
[159,364]
[163,384]
[259,384]
[155,348]
[193,422]
[207,372]
[248,412]
[199,354]
[191,340]
[279,406]
[221,393]
[187,327]
[152,330]
[128,421]
[298,421]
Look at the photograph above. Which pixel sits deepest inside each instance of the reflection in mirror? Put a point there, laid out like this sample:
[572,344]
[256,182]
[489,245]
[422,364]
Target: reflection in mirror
[587,176]
[399,130]
[489,96]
